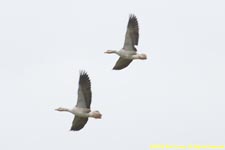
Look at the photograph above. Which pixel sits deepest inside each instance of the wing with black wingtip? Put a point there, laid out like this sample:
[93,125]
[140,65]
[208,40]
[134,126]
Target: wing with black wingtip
[122,63]
[132,34]
[78,123]
[84,91]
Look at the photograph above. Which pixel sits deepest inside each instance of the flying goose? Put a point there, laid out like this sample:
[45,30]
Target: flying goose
[128,53]
[82,109]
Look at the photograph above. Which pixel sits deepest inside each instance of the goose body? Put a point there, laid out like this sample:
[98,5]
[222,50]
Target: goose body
[82,109]
[129,52]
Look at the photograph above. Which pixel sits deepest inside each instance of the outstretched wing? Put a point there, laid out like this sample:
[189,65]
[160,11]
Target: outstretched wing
[78,123]
[122,63]
[132,34]
[84,91]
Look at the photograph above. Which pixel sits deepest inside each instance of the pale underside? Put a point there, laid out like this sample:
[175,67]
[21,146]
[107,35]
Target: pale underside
[83,102]
[80,119]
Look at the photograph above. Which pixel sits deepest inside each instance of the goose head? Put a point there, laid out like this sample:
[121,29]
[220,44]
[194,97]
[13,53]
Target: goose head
[61,109]
[110,51]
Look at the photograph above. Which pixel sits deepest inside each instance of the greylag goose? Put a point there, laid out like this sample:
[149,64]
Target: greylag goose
[82,109]
[128,53]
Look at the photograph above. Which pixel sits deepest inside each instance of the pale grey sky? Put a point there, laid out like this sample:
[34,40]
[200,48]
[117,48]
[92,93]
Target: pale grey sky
[175,97]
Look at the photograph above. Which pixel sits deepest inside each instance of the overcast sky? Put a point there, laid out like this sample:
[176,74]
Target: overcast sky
[176,96]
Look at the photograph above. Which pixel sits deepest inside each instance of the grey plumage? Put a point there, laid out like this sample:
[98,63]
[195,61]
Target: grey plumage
[122,63]
[84,91]
[83,100]
[131,39]
[78,123]
[82,110]
[132,34]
